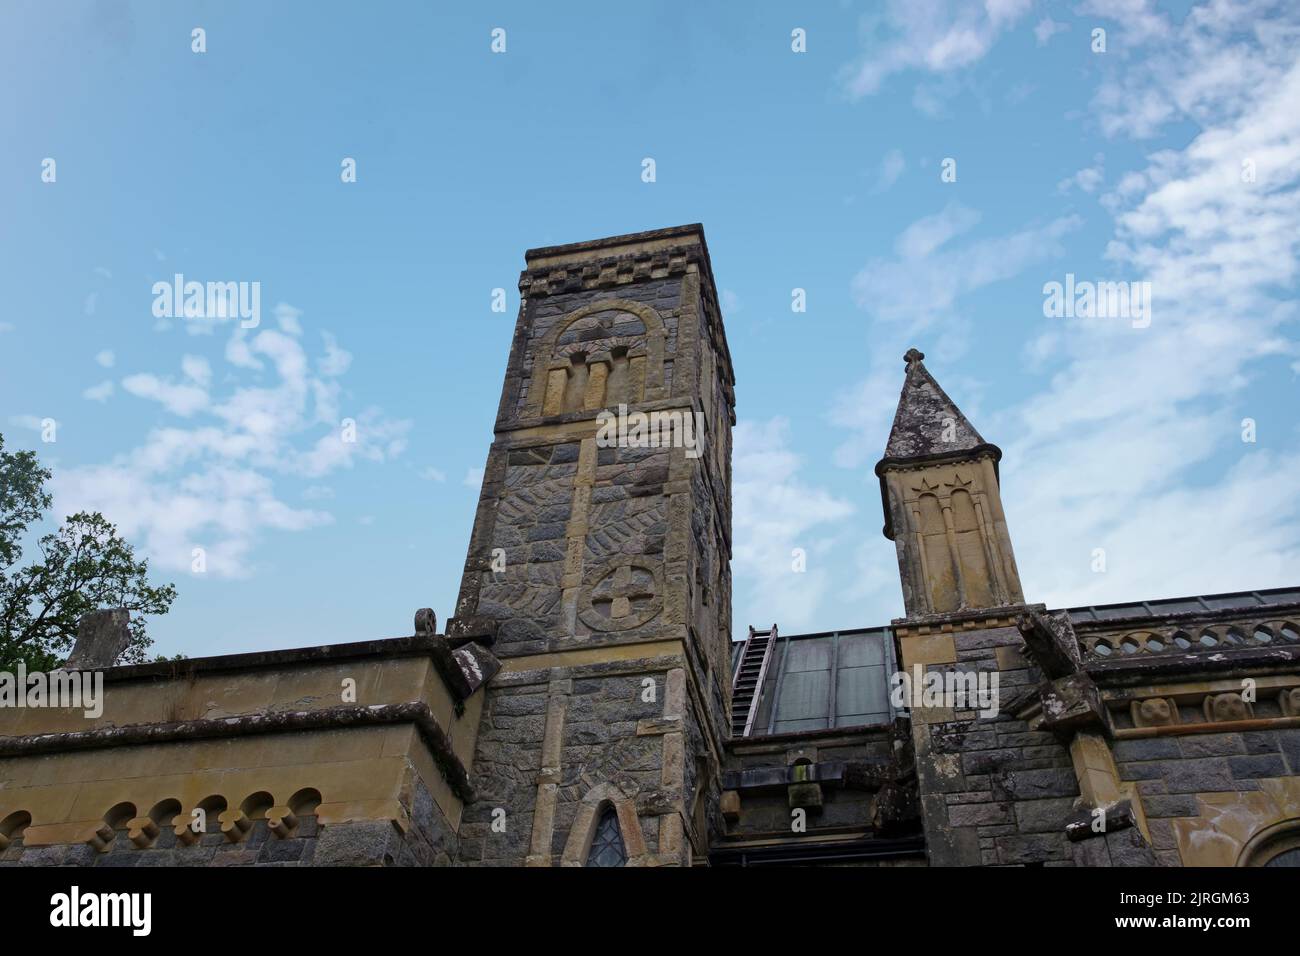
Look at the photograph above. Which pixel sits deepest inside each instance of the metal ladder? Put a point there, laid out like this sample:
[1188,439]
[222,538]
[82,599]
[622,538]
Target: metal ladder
[748,680]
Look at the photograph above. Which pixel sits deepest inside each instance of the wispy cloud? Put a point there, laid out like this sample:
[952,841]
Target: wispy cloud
[1106,455]
[1047,28]
[891,167]
[922,282]
[777,511]
[212,485]
[99,393]
[930,36]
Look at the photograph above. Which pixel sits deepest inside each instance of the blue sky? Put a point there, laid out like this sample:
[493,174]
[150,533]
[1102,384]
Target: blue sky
[817,170]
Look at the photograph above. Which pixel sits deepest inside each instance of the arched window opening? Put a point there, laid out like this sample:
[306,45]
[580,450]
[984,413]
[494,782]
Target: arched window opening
[607,847]
[1278,845]
[12,827]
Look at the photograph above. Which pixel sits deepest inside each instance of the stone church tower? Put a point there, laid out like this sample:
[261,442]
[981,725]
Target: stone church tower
[600,576]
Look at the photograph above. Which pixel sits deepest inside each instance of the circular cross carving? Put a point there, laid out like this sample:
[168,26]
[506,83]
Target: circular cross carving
[624,594]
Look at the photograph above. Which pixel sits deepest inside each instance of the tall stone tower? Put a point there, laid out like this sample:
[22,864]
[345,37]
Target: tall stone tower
[599,565]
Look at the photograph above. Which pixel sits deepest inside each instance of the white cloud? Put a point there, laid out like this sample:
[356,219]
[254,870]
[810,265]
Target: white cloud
[432,474]
[212,485]
[197,370]
[933,36]
[775,512]
[921,285]
[891,167]
[930,232]
[99,393]
[1213,65]
[1133,446]
[473,478]
[7,327]
[179,399]
[1139,21]
[29,422]
[1048,28]
[1124,450]
[106,358]
[1088,179]
[336,361]
[287,317]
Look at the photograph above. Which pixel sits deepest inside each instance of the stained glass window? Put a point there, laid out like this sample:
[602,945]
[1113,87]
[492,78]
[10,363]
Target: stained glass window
[607,845]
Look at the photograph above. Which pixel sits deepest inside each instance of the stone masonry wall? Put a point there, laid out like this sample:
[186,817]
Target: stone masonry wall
[994,792]
[1170,771]
[552,739]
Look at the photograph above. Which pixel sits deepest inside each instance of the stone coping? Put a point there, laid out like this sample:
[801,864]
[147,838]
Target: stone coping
[422,645]
[1141,669]
[609,242]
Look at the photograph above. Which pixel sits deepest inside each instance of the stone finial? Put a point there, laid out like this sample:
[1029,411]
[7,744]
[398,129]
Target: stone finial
[912,356]
[426,622]
[102,636]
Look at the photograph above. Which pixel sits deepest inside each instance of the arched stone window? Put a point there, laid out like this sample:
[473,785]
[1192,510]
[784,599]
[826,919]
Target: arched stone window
[1278,845]
[606,827]
[605,353]
[12,827]
[607,847]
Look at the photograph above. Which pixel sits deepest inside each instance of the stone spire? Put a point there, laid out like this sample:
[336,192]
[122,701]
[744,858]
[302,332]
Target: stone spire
[927,421]
[941,493]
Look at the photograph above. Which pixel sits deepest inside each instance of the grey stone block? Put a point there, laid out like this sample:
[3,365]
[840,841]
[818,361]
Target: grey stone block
[358,843]
[979,814]
[1198,776]
[1260,765]
[1212,745]
[1151,748]
[1171,806]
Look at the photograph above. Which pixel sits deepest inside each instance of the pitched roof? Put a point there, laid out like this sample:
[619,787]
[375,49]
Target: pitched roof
[927,426]
[927,422]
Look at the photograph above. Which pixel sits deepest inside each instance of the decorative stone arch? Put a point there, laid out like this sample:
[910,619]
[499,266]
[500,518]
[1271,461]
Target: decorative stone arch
[118,817]
[1270,842]
[13,826]
[1243,828]
[583,830]
[552,364]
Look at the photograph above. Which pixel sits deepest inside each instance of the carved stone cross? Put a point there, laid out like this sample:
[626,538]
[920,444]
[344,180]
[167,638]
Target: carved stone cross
[617,593]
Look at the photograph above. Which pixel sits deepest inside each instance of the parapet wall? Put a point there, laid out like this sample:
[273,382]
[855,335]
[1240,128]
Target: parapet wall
[347,754]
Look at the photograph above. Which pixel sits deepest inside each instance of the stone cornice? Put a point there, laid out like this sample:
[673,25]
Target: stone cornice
[330,718]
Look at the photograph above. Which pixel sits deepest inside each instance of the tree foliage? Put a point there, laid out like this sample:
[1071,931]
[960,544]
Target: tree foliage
[81,567]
